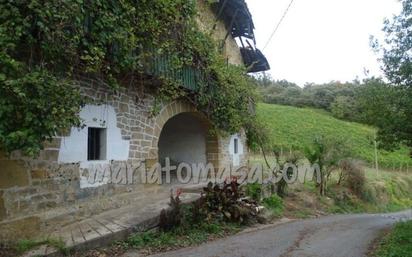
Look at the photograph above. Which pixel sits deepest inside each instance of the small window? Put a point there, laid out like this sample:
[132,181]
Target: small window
[236,146]
[96,145]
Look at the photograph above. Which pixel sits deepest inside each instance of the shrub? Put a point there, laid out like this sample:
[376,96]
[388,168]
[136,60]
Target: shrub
[353,176]
[275,204]
[370,194]
[254,191]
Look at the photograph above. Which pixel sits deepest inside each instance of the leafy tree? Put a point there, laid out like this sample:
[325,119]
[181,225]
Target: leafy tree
[344,107]
[327,152]
[383,105]
[397,47]
[395,119]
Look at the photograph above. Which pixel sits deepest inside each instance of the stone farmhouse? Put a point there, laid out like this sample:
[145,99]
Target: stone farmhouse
[38,196]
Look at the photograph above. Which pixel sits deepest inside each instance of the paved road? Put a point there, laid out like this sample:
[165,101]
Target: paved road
[332,236]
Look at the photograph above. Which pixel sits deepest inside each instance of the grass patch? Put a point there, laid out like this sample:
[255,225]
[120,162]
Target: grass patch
[23,246]
[344,201]
[295,128]
[185,236]
[398,243]
[310,186]
[302,214]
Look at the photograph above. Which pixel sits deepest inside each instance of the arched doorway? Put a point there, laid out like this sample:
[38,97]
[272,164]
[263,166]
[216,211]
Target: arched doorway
[183,135]
[183,139]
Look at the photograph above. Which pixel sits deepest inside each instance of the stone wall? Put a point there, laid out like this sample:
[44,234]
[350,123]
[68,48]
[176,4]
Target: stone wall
[210,25]
[37,195]
[44,192]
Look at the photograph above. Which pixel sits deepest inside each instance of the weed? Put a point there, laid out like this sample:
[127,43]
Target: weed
[275,204]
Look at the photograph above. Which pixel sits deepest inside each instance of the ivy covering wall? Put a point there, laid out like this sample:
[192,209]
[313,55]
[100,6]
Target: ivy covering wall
[46,44]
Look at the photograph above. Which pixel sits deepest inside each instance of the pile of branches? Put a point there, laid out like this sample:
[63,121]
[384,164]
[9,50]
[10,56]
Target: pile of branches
[225,202]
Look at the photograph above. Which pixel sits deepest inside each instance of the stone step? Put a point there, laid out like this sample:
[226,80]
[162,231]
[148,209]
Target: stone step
[67,215]
[114,225]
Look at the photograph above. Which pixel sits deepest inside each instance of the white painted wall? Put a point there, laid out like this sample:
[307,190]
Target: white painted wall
[73,149]
[236,156]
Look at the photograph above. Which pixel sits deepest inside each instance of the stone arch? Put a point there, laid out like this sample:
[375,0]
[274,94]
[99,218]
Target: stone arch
[182,107]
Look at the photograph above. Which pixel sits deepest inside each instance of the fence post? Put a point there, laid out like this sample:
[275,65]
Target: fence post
[376,157]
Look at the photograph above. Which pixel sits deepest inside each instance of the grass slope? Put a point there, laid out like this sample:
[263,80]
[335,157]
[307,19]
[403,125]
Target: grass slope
[293,127]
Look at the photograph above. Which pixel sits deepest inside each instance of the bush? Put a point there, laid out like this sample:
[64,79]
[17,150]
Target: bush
[370,194]
[353,176]
[275,204]
[254,191]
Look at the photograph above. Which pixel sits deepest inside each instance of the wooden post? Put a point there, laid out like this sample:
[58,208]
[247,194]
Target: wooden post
[376,156]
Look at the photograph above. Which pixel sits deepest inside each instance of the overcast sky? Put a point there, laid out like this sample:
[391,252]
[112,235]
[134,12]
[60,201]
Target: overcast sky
[321,40]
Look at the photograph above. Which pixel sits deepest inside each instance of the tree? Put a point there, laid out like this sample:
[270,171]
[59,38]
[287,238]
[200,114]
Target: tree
[396,51]
[327,152]
[344,107]
[397,47]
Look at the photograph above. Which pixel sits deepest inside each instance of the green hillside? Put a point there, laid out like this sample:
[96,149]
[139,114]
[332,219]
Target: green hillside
[296,127]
